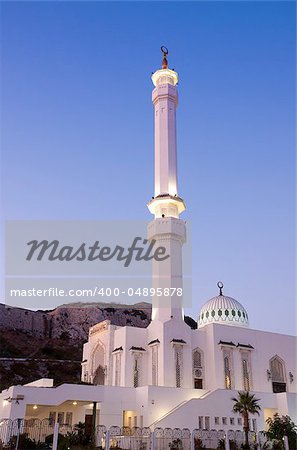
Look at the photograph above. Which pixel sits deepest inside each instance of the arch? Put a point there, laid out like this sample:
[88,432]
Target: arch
[198,368]
[278,374]
[98,363]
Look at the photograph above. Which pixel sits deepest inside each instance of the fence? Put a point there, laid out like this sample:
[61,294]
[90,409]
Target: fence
[22,434]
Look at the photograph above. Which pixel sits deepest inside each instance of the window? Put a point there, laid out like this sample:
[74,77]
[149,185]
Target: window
[68,420]
[217,421]
[207,423]
[52,417]
[178,365]
[277,374]
[246,370]
[231,420]
[200,422]
[60,418]
[155,365]
[227,369]
[136,370]
[224,420]
[117,375]
[254,424]
[239,421]
[197,360]
[198,368]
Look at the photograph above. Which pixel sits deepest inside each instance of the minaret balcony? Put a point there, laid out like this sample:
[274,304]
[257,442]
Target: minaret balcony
[166,205]
[164,76]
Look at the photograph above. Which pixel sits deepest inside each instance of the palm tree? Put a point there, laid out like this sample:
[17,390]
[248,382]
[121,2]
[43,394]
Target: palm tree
[246,404]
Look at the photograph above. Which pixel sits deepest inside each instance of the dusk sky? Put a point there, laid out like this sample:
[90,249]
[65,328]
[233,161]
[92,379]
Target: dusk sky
[78,142]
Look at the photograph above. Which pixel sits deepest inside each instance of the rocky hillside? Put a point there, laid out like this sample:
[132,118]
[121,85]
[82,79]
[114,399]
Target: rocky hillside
[74,319]
[36,344]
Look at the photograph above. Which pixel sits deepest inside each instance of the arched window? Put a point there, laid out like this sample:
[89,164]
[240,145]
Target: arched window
[117,375]
[198,368]
[197,359]
[178,365]
[227,355]
[246,379]
[246,371]
[277,369]
[137,370]
[155,365]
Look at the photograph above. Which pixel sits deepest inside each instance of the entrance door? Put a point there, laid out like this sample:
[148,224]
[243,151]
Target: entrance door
[99,376]
[88,424]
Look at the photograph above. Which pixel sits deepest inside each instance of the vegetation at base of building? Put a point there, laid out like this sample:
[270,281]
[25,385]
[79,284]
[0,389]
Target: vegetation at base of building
[24,443]
[246,404]
[176,444]
[280,426]
[198,445]
[74,440]
[232,445]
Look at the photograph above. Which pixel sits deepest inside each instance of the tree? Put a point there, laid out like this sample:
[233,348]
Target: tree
[246,404]
[280,426]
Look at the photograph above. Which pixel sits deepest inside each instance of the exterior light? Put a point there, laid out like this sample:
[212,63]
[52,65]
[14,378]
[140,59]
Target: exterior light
[35,407]
[291,376]
[74,403]
[268,373]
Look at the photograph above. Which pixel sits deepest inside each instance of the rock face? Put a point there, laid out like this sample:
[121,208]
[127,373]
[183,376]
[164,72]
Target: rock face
[36,344]
[74,319]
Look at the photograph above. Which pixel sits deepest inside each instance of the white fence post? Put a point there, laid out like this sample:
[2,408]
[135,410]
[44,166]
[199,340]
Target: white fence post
[227,441]
[286,442]
[18,435]
[192,440]
[153,442]
[107,440]
[56,435]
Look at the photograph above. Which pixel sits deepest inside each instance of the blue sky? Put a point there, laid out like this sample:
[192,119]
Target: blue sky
[77,130]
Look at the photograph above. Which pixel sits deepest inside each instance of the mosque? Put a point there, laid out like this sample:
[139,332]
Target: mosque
[169,375]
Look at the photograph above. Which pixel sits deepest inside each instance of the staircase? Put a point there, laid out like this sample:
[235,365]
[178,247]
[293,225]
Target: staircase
[177,407]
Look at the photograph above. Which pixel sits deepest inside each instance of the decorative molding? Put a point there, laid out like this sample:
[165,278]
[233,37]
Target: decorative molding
[245,346]
[137,349]
[227,344]
[117,350]
[99,327]
[178,342]
[154,342]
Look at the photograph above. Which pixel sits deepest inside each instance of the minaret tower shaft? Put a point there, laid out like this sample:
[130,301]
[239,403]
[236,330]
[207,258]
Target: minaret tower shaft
[167,229]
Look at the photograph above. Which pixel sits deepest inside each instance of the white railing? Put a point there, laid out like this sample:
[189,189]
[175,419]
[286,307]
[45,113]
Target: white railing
[17,435]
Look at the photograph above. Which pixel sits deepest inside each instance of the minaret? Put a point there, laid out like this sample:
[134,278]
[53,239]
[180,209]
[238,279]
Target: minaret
[167,228]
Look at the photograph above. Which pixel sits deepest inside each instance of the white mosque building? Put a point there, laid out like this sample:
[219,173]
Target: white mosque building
[169,375]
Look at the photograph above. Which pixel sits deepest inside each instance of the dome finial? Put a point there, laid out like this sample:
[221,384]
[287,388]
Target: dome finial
[164,50]
[220,286]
